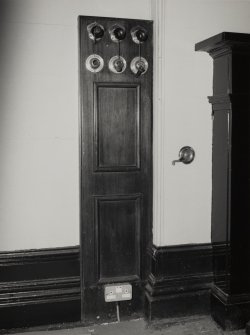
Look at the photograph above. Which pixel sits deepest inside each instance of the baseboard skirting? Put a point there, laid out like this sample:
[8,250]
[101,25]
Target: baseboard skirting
[39,287]
[96,310]
[39,264]
[23,257]
[39,291]
[179,284]
[178,305]
[180,281]
[38,302]
[230,311]
[47,312]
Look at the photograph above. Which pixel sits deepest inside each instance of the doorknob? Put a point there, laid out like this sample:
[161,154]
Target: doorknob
[186,155]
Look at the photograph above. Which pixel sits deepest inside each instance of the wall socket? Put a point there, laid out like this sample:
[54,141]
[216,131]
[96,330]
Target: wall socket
[117,292]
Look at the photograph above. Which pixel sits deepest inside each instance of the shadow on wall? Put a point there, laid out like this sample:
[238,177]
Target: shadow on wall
[7,45]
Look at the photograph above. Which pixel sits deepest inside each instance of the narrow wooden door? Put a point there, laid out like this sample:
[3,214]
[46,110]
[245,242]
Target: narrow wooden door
[116,159]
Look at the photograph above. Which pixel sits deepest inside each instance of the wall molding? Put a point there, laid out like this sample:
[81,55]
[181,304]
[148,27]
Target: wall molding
[39,291]
[8,258]
[159,14]
[39,287]
[180,280]
[38,264]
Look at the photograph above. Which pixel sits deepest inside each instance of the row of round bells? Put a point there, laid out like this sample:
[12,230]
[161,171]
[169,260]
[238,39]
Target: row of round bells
[117,64]
[117,33]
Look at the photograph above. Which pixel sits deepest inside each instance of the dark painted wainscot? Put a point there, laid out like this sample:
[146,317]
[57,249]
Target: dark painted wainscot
[180,281]
[39,287]
[42,287]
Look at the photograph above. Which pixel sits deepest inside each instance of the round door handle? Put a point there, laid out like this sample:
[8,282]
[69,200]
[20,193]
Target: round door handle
[186,155]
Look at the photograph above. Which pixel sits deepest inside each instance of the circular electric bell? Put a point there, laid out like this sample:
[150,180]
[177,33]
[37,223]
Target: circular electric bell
[95,31]
[94,63]
[139,66]
[139,34]
[117,64]
[117,33]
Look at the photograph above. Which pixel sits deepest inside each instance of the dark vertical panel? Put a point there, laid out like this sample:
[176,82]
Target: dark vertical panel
[116,160]
[220,177]
[231,186]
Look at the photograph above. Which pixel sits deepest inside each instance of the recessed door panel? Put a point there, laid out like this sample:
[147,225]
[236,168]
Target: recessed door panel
[116,156]
[117,218]
[117,126]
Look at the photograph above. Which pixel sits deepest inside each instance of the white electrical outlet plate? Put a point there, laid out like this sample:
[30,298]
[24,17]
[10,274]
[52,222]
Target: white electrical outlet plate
[117,292]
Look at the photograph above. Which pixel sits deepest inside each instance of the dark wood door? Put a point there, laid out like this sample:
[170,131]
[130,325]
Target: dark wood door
[116,165]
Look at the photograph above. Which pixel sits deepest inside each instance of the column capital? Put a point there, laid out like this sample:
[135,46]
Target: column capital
[224,43]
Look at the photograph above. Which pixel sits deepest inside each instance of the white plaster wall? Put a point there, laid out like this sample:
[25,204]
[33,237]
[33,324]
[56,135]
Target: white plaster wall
[39,177]
[182,115]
